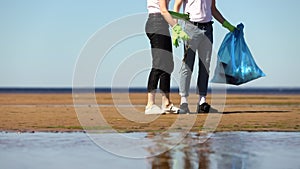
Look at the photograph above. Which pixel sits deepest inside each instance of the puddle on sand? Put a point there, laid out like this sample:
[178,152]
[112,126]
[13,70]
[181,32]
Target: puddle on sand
[227,150]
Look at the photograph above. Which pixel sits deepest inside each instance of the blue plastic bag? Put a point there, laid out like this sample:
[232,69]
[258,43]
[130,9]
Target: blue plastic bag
[235,63]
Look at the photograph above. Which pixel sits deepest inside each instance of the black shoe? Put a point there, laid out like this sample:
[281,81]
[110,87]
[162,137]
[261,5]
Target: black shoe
[206,108]
[184,109]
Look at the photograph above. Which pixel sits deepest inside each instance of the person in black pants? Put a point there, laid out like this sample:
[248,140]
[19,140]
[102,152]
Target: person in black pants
[157,30]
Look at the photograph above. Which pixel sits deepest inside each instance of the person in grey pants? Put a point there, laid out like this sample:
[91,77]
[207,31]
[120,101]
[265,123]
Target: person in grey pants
[200,30]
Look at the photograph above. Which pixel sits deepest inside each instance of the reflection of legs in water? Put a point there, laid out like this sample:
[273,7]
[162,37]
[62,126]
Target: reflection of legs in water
[196,155]
[203,156]
[163,160]
[190,154]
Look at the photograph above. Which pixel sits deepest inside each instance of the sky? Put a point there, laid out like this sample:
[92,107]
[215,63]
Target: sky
[41,42]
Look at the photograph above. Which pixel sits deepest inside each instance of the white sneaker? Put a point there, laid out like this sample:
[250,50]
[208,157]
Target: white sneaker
[153,109]
[170,109]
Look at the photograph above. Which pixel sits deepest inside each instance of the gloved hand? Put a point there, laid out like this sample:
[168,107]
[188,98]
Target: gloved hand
[227,25]
[177,15]
[177,34]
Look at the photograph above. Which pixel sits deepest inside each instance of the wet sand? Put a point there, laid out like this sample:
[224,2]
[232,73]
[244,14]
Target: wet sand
[56,113]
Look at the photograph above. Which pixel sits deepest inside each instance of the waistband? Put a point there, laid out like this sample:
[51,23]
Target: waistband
[155,14]
[203,24]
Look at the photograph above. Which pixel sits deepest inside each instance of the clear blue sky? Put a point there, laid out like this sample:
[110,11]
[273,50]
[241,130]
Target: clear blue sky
[40,40]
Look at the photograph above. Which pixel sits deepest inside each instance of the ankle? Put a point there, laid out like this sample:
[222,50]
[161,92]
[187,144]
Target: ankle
[183,100]
[149,104]
[202,99]
[166,104]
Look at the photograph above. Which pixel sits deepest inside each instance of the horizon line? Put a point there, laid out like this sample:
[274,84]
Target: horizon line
[245,90]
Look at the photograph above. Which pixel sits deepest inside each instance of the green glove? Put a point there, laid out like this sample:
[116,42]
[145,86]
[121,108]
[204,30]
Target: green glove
[175,40]
[227,25]
[177,15]
[177,34]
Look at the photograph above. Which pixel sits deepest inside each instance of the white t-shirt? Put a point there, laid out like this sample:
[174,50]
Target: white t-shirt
[199,10]
[153,6]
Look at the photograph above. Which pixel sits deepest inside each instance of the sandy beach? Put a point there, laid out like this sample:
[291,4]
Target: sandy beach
[56,113]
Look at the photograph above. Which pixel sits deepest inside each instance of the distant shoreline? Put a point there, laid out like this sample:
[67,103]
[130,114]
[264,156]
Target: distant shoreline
[41,90]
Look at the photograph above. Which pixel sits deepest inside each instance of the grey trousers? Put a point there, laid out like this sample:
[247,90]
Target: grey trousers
[201,42]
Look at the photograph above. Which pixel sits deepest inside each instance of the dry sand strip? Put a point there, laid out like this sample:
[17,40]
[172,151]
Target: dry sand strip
[56,113]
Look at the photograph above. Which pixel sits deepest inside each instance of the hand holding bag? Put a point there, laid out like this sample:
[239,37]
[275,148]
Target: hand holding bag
[235,63]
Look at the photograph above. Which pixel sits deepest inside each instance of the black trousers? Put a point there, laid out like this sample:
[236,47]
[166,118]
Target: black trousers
[157,30]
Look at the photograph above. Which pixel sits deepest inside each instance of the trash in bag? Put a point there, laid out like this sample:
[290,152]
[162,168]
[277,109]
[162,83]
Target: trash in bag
[235,63]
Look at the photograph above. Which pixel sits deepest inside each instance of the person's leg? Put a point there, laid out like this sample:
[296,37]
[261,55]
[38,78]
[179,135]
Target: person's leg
[152,86]
[203,74]
[162,59]
[153,79]
[152,29]
[151,99]
[204,52]
[188,65]
[164,62]
[167,105]
[154,75]
[164,85]
[185,78]
[186,70]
